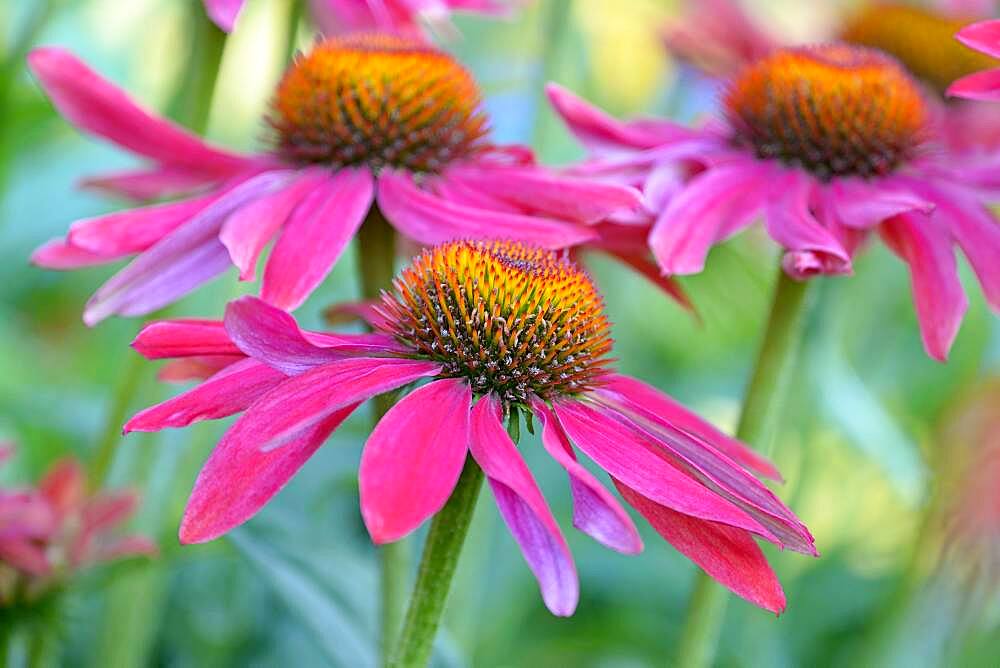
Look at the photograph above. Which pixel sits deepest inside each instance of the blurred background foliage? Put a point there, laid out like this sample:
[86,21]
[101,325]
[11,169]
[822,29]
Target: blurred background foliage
[864,449]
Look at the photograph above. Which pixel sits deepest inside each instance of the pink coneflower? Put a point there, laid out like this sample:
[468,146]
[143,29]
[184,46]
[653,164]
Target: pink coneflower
[498,329]
[827,144]
[403,17]
[983,37]
[49,532]
[364,123]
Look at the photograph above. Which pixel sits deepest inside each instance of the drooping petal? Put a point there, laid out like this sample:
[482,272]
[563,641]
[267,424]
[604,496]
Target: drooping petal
[595,510]
[312,241]
[937,291]
[230,391]
[95,105]
[184,338]
[24,555]
[790,222]
[715,205]
[524,509]
[305,400]
[247,231]
[160,182]
[863,205]
[430,219]
[177,264]
[224,12]
[641,263]
[634,460]
[413,458]
[673,412]
[549,193]
[727,554]
[239,478]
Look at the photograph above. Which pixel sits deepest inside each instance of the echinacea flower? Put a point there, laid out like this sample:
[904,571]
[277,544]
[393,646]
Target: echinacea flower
[49,532]
[985,38]
[363,123]
[404,17]
[827,144]
[498,329]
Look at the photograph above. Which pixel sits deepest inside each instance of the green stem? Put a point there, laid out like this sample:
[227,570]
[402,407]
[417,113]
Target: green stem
[437,567]
[376,268]
[292,33]
[763,406]
[111,433]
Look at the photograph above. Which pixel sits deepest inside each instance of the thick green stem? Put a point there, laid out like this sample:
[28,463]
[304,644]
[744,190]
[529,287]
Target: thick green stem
[437,567]
[376,266]
[763,406]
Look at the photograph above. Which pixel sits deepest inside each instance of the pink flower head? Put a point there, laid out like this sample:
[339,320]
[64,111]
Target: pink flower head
[827,144]
[985,38]
[498,328]
[49,532]
[402,17]
[360,122]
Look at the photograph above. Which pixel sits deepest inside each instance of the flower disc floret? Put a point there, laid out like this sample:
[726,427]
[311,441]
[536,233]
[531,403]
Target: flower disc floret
[923,40]
[833,110]
[512,319]
[377,100]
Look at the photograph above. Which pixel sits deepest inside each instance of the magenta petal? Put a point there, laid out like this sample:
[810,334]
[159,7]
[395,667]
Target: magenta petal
[183,338]
[715,205]
[413,458]
[59,255]
[863,205]
[230,391]
[984,86]
[306,399]
[224,12]
[272,336]
[634,459]
[937,290]
[430,219]
[729,555]
[239,477]
[791,223]
[316,235]
[672,412]
[200,367]
[983,36]
[595,510]
[93,104]
[524,509]
[247,231]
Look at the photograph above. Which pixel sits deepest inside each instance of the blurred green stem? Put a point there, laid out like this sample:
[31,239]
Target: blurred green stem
[555,22]
[376,267]
[292,33]
[763,406]
[437,567]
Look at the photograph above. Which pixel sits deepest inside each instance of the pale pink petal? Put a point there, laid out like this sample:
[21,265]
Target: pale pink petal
[247,231]
[95,105]
[670,411]
[183,338]
[312,241]
[230,391]
[717,37]
[25,556]
[413,458]
[715,205]
[59,255]
[543,191]
[790,222]
[937,291]
[64,486]
[524,509]
[149,184]
[224,12]
[635,460]
[983,36]
[729,555]
[429,219]
[125,547]
[595,510]
[239,477]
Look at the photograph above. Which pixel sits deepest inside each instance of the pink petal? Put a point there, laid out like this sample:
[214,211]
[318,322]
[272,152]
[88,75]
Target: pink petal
[184,338]
[937,291]
[224,12]
[983,36]
[429,219]
[543,191]
[149,184]
[134,230]
[64,486]
[303,401]
[24,556]
[640,262]
[717,37]
[600,132]
[316,235]
[365,311]
[727,554]
[230,391]
[57,254]
[524,509]
[239,477]
[865,204]
[635,460]
[128,546]
[790,222]
[672,412]
[984,86]
[195,368]
[95,105]
[715,205]
[247,231]
[595,510]
[413,458]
